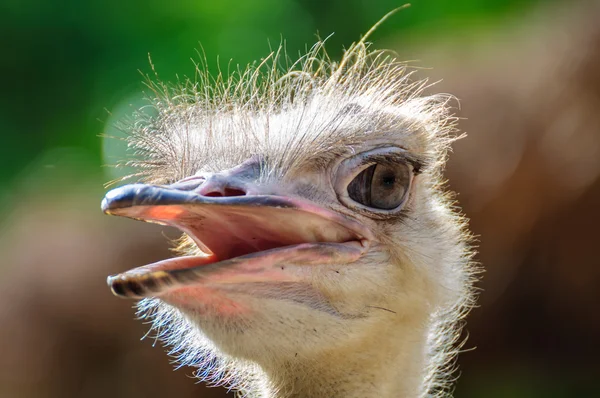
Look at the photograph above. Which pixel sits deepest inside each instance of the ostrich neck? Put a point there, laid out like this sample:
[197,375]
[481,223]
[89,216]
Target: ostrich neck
[389,362]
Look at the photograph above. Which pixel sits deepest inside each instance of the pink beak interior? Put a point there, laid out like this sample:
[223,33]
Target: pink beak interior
[245,238]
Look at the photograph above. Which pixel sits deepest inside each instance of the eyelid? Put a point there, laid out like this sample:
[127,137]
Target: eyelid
[386,155]
[389,158]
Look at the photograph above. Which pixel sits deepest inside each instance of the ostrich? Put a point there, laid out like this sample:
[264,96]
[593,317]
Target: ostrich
[321,254]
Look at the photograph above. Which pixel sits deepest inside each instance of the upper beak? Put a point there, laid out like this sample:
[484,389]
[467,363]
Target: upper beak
[245,238]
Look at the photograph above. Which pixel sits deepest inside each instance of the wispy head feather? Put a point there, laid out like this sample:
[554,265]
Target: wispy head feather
[289,112]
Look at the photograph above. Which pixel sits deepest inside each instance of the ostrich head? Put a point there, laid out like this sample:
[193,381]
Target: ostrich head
[320,255]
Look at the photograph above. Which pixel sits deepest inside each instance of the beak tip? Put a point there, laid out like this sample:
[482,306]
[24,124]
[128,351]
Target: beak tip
[104,206]
[124,288]
[115,288]
[119,197]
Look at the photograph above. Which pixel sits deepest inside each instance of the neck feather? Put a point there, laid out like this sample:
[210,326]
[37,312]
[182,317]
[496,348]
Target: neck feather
[391,361]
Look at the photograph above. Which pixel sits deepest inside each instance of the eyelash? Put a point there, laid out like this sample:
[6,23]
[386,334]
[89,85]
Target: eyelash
[391,159]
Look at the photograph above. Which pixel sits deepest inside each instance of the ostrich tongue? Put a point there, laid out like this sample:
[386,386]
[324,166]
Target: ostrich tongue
[249,238]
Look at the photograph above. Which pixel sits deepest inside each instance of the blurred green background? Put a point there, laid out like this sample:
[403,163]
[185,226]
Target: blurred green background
[66,62]
[527,74]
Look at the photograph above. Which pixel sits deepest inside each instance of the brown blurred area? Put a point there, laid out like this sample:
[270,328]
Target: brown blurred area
[527,175]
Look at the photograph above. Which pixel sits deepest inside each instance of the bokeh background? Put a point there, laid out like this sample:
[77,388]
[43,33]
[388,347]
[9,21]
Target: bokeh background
[527,74]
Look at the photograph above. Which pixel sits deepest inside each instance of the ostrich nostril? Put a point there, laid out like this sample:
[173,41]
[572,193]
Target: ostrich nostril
[225,192]
[234,192]
[218,185]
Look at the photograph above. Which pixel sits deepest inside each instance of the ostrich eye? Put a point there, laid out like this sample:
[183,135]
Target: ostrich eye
[381,186]
[377,181]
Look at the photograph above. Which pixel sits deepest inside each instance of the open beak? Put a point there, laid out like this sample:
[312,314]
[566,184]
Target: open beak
[246,238]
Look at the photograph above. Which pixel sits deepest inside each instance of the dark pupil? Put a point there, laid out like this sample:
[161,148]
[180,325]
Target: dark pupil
[380,186]
[389,180]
